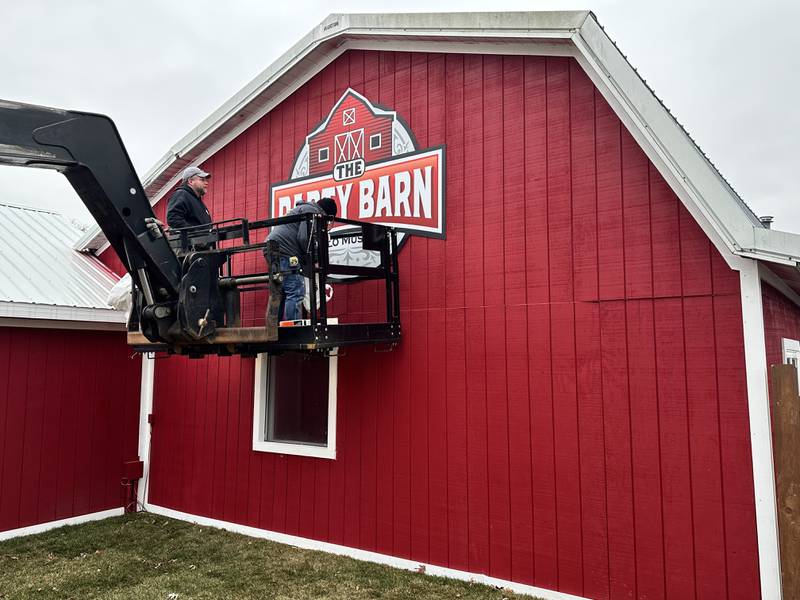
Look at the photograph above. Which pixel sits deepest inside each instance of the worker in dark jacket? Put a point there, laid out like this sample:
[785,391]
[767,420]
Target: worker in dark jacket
[292,241]
[185,207]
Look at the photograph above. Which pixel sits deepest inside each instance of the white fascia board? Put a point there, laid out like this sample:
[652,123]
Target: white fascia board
[26,310]
[755,355]
[707,196]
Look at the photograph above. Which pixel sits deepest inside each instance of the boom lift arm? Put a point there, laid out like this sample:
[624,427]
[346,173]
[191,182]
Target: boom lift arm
[184,302]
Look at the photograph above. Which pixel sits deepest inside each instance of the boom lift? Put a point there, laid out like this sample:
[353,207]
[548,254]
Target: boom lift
[186,293]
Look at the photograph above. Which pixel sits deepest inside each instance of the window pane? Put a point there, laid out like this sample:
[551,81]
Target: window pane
[298,399]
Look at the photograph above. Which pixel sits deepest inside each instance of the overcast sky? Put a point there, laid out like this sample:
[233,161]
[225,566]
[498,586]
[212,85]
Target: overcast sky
[729,72]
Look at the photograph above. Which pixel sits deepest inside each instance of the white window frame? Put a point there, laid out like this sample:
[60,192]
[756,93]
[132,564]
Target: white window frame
[375,136]
[261,389]
[327,154]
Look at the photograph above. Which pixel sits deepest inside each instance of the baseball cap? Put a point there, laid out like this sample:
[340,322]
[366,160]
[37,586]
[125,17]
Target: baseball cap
[190,172]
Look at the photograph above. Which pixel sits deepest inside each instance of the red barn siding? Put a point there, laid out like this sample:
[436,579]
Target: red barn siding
[568,405]
[65,426]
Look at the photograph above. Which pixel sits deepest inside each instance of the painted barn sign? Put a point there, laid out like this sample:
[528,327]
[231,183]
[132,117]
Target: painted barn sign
[366,158]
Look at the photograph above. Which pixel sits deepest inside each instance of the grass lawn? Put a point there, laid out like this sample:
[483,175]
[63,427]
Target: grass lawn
[148,556]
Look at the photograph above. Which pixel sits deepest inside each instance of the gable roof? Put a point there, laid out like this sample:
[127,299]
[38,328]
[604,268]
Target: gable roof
[719,210]
[43,277]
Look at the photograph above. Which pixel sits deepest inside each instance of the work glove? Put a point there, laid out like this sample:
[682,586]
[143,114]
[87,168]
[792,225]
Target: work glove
[155,227]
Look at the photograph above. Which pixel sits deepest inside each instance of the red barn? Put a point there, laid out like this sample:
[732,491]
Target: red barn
[578,407]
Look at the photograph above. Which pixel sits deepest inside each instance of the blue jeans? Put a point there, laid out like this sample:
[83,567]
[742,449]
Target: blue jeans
[294,289]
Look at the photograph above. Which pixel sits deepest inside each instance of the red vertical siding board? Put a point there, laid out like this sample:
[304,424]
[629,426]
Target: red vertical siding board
[336,507]
[34,417]
[437,440]
[664,215]
[384,454]
[619,485]
[493,172]
[53,376]
[477,464]
[418,406]
[368,508]
[513,203]
[701,380]
[83,449]
[457,444]
[233,457]
[594,510]
[676,482]
[737,463]
[610,257]
[497,444]
[583,178]
[567,459]
[418,122]
[545,535]
[695,256]
[67,434]
[645,446]
[436,135]
[636,219]
[15,425]
[244,454]
[536,217]
[519,444]
[454,249]
[559,194]
[352,447]
[474,280]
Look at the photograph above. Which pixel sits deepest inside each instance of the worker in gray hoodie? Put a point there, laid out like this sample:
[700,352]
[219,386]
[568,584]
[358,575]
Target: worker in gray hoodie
[292,241]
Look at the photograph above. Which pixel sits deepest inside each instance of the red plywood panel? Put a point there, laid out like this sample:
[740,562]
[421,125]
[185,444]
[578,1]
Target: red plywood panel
[454,249]
[457,443]
[704,444]
[584,194]
[59,455]
[497,444]
[35,395]
[13,441]
[695,251]
[610,248]
[437,441]
[676,482]
[384,454]
[420,467]
[737,464]
[477,444]
[559,192]
[619,476]
[567,459]
[545,544]
[472,201]
[368,466]
[664,225]
[53,412]
[645,448]
[636,219]
[403,386]
[536,217]
[514,205]
[492,166]
[519,445]
[591,438]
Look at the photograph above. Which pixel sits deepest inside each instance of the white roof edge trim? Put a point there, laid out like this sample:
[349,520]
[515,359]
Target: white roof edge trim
[26,310]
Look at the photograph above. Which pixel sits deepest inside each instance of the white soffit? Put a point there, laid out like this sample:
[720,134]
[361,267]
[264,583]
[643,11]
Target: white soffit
[725,218]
